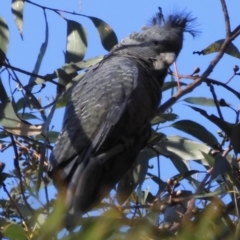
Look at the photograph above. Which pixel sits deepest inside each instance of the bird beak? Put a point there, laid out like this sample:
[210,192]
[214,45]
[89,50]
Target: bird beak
[164,60]
[168,57]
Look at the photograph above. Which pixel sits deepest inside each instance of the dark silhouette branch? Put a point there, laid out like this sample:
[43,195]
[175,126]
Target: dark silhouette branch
[29,73]
[212,81]
[215,100]
[16,207]
[55,9]
[16,165]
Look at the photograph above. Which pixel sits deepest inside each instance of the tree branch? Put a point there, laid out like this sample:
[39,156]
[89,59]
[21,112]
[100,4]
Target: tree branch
[29,73]
[226,18]
[54,9]
[214,82]
[16,165]
[215,100]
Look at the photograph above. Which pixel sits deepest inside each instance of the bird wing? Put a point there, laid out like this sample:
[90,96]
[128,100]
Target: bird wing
[97,103]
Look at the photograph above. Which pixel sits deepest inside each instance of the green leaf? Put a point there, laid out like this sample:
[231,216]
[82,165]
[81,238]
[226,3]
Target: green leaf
[155,137]
[184,175]
[14,231]
[135,175]
[164,117]
[179,164]
[53,222]
[152,217]
[76,42]
[232,50]
[10,121]
[27,116]
[220,166]
[64,79]
[157,180]
[41,53]
[4,222]
[200,101]
[196,130]
[169,85]
[223,125]
[74,67]
[106,33]
[69,69]
[209,158]
[207,195]
[181,148]
[17,10]
[20,104]
[4,39]
[51,136]
[62,101]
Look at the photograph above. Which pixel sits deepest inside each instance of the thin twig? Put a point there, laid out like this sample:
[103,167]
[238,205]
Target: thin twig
[15,206]
[215,100]
[16,165]
[28,93]
[213,81]
[30,74]
[177,76]
[235,33]
[226,18]
[47,198]
[228,81]
[54,9]
[191,204]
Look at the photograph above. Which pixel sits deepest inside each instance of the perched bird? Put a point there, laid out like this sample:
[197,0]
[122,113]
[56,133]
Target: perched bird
[107,119]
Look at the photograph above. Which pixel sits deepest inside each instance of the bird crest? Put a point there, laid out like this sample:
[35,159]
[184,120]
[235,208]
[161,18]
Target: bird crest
[182,20]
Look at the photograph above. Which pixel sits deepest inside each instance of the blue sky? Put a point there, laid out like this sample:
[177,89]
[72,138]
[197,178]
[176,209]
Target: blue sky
[124,17]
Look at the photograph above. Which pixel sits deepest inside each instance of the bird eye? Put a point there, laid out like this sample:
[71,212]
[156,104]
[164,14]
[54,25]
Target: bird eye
[155,43]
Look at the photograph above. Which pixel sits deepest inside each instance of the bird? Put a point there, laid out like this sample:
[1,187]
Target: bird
[107,118]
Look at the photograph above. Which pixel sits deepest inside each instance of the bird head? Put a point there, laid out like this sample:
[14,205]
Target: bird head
[161,41]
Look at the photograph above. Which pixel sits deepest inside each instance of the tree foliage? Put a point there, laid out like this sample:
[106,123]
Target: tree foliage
[196,212]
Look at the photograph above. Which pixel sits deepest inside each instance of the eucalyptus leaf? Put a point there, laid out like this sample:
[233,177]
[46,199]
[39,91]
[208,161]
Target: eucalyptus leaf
[41,53]
[76,42]
[106,33]
[181,148]
[14,231]
[51,136]
[223,125]
[196,130]
[164,117]
[17,11]
[200,101]
[231,50]
[74,67]
[4,39]
[11,122]
[169,85]
[27,116]
[220,166]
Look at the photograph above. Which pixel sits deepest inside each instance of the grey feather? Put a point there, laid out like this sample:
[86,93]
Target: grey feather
[115,100]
